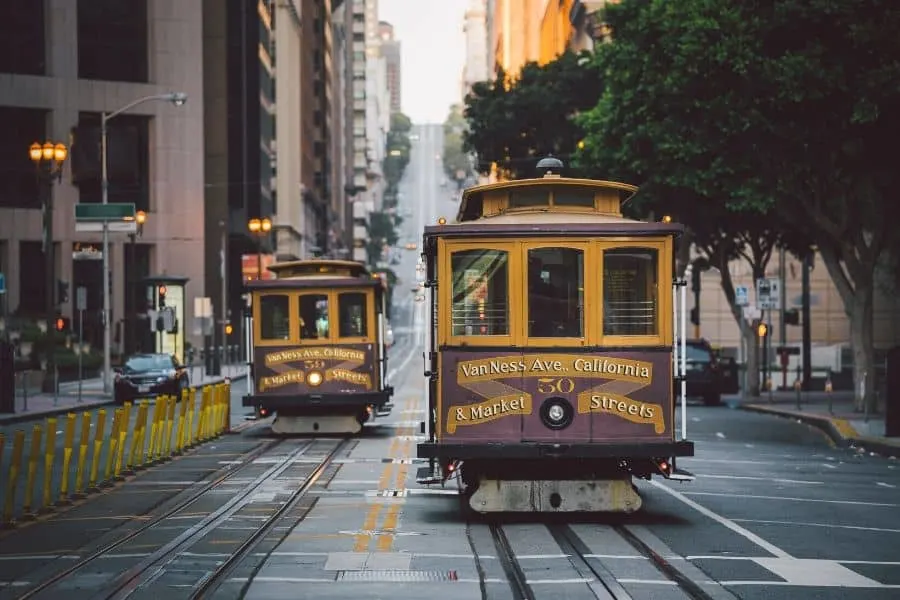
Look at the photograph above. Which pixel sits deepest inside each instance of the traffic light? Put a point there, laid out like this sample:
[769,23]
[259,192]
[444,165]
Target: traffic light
[62,324]
[762,330]
[792,317]
[62,291]
[161,299]
[695,315]
[228,329]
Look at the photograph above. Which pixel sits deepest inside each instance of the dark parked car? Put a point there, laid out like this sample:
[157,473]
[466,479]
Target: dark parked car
[150,375]
[704,374]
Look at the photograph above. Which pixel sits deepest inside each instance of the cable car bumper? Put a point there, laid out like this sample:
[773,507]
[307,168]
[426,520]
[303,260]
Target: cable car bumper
[273,402]
[545,450]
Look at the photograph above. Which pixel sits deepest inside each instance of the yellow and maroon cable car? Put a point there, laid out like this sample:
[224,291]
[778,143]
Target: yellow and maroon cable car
[553,347]
[318,348]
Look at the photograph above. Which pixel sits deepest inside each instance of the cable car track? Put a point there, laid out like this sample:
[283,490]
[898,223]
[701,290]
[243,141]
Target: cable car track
[588,568]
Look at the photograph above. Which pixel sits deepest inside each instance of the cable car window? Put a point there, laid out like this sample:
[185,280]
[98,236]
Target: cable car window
[274,317]
[556,292]
[564,197]
[630,291]
[480,282]
[352,310]
[523,198]
[313,316]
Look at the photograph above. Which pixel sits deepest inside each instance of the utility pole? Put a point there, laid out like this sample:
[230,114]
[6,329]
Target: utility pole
[782,302]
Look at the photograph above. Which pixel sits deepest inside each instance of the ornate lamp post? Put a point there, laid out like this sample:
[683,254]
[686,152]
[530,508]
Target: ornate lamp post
[260,228]
[49,159]
[140,217]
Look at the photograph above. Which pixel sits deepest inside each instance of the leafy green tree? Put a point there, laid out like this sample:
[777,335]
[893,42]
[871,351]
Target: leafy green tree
[396,155]
[513,124]
[456,159]
[381,232]
[783,110]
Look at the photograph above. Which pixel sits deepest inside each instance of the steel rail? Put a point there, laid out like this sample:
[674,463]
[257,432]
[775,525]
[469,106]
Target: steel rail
[514,573]
[227,566]
[226,474]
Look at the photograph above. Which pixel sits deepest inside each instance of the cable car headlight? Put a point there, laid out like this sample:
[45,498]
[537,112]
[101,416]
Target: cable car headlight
[557,413]
[314,378]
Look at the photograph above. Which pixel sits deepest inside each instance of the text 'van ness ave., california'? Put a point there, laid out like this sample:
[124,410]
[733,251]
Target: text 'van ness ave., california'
[537,365]
[321,353]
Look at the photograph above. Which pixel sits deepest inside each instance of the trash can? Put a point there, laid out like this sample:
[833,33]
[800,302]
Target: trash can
[7,378]
[892,397]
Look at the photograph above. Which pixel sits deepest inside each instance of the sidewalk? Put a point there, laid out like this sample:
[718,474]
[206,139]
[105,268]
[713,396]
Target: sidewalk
[832,412]
[41,405]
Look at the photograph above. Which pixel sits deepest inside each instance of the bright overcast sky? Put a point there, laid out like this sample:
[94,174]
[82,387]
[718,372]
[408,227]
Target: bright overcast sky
[433,51]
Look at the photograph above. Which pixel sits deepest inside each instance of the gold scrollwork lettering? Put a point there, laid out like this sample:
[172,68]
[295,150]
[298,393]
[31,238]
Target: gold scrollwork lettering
[280,380]
[489,410]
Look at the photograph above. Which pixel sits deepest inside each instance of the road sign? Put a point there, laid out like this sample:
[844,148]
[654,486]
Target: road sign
[2,283]
[203,307]
[768,293]
[119,216]
[742,295]
[81,298]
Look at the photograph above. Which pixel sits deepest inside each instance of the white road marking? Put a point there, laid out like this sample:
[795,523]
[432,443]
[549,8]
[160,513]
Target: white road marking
[883,484]
[573,580]
[694,459]
[720,435]
[829,466]
[770,479]
[749,535]
[283,580]
[790,499]
[792,584]
[816,572]
[618,556]
[650,581]
[825,525]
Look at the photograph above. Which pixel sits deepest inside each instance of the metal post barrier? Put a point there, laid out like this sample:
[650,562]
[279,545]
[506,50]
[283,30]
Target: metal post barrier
[227,393]
[170,424]
[143,415]
[154,430]
[99,434]
[123,437]
[68,446]
[12,482]
[189,426]
[82,454]
[112,446]
[49,456]
[219,409]
[33,457]
[199,437]
[182,415]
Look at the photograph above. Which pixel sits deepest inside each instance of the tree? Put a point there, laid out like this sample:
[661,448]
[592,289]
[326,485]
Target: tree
[650,130]
[382,233]
[456,159]
[782,111]
[396,155]
[513,124]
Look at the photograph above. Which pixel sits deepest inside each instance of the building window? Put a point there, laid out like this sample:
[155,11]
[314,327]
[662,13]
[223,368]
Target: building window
[32,287]
[128,163]
[630,287]
[112,40]
[480,300]
[22,40]
[556,292]
[274,317]
[21,127]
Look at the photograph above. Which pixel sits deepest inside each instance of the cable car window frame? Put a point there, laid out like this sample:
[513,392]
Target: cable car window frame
[258,340]
[446,249]
[371,316]
[586,246]
[664,335]
[297,329]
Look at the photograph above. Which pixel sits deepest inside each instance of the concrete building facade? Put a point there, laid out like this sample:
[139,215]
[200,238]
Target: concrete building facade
[390,50]
[476,67]
[61,64]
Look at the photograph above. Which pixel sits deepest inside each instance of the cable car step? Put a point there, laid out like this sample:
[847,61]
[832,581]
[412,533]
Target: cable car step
[682,475]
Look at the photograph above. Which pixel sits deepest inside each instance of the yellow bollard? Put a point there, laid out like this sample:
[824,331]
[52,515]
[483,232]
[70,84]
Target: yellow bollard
[33,458]
[99,434]
[146,430]
[182,414]
[140,435]
[49,456]
[82,454]
[210,408]
[131,463]
[200,412]
[191,439]
[68,443]
[161,429]
[217,410]
[12,482]
[123,437]
[154,431]
[226,426]
[112,446]
[170,424]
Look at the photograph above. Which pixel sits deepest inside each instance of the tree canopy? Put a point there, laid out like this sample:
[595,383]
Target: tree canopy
[457,164]
[725,112]
[396,155]
[513,123]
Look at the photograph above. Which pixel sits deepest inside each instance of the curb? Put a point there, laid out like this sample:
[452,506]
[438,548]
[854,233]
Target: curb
[55,412]
[838,430]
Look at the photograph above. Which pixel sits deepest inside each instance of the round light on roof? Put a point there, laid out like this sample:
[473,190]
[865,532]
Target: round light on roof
[442,221]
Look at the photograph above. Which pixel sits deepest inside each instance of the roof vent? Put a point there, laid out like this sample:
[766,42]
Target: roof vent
[551,166]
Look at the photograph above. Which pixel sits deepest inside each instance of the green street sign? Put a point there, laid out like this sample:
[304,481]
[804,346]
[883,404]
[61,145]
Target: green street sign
[120,217]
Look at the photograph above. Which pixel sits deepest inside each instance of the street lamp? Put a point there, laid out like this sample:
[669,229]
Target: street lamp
[48,159]
[176,98]
[260,228]
[140,217]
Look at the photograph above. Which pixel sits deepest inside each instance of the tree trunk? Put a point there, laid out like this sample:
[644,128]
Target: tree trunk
[750,383]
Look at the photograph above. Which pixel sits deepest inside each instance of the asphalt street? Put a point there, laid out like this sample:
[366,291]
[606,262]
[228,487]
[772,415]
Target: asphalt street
[776,511]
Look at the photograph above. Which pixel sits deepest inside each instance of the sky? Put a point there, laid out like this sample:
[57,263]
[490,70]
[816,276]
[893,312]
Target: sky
[432,54]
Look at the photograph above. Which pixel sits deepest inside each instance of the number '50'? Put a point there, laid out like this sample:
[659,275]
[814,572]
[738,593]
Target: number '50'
[562,385]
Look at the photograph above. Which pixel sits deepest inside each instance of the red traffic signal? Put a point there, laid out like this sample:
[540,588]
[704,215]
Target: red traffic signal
[62,324]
